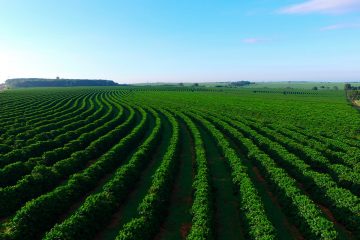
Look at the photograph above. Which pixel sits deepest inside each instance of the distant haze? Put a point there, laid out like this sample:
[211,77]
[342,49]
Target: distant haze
[143,41]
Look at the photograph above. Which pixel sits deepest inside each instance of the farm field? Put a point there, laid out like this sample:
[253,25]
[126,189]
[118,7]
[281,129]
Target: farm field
[178,163]
[266,85]
[301,85]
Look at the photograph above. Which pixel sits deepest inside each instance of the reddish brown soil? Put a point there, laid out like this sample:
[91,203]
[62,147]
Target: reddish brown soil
[293,229]
[331,217]
[185,228]
[187,200]
[327,213]
[258,175]
[115,219]
[83,198]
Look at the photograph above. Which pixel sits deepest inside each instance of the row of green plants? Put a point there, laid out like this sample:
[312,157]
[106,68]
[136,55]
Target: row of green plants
[91,104]
[29,104]
[13,128]
[258,225]
[94,110]
[68,143]
[307,170]
[25,108]
[43,212]
[57,120]
[346,148]
[332,149]
[343,204]
[323,147]
[97,209]
[202,207]
[24,151]
[16,132]
[43,178]
[152,208]
[22,102]
[32,117]
[301,209]
[337,143]
[342,175]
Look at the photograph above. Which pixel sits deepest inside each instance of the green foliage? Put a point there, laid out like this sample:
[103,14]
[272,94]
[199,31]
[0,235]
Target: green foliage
[70,157]
[40,82]
[151,209]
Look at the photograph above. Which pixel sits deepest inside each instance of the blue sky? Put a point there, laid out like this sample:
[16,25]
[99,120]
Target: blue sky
[181,41]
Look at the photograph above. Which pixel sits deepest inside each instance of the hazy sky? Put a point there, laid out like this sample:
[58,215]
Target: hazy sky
[187,40]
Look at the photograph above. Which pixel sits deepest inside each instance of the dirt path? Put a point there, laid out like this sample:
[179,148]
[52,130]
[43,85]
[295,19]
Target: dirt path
[178,219]
[128,210]
[106,178]
[227,216]
[285,229]
[344,233]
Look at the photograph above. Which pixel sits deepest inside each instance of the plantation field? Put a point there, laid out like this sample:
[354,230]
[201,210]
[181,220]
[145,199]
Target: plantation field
[302,85]
[178,163]
[272,85]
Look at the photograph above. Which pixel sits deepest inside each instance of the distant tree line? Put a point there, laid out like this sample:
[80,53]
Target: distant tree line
[283,92]
[42,82]
[240,83]
[349,87]
[352,92]
[323,87]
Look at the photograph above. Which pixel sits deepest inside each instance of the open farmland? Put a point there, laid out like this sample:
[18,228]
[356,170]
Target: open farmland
[178,163]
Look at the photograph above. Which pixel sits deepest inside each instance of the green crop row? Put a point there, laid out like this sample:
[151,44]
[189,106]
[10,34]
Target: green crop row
[45,210]
[151,209]
[96,210]
[303,211]
[43,178]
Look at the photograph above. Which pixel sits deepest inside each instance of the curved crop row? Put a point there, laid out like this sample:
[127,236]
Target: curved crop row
[323,147]
[303,211]
[44,178]
[48,131]
[67,143]
[151,208]
[59,119]
[250,203]
[36,148]
[53,112]
[344,204]
[101,205]
[11,126]
[26,108]
[44,211]
[202,210]
[346,177]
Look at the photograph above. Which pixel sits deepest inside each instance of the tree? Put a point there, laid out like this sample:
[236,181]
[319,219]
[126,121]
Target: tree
[240,83]
[315,88]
